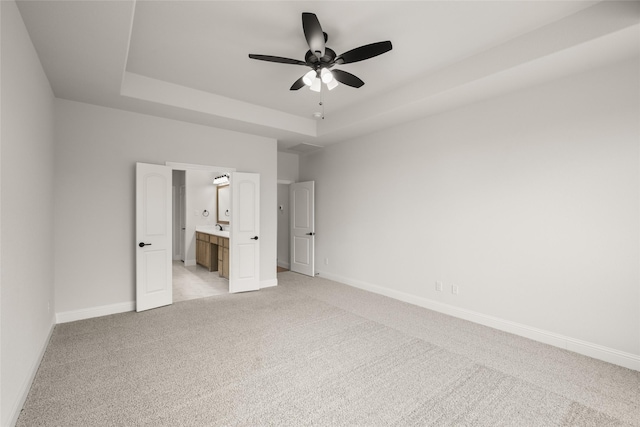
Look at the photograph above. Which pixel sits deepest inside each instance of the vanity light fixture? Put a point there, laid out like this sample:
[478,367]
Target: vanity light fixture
[222,179]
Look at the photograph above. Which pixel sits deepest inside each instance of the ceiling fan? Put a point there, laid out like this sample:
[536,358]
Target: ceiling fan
[321,58]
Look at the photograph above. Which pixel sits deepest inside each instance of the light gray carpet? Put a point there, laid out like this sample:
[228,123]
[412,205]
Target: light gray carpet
[315,352]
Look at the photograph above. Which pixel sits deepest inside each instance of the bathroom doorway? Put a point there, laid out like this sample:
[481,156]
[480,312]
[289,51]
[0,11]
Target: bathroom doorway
[194,204]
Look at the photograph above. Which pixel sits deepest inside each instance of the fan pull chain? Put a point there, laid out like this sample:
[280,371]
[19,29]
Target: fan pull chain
[322,102]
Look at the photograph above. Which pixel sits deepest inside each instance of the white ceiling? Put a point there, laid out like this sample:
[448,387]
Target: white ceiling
[188,60]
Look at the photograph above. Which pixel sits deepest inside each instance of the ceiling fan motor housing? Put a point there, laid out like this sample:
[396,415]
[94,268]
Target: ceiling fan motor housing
[327,61]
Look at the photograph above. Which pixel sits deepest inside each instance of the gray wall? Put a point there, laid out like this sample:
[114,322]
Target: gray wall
[528,202]
[26,273]
[95,156]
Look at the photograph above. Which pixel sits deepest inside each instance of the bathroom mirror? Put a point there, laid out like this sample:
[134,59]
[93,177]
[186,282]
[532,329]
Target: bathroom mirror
[223,193]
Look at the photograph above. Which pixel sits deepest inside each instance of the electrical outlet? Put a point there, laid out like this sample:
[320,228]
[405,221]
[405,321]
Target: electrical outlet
[439,286]
[326,261]
[454,289]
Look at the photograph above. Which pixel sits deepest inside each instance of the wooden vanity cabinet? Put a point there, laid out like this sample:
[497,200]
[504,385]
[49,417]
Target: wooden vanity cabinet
[203,250]
[223,257]
[220,259]
[212,252]
[225,263]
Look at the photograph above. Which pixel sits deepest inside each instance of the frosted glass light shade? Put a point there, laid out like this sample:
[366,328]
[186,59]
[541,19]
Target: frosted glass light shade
[309,78]
[332,84]
[326,76]
[316,86]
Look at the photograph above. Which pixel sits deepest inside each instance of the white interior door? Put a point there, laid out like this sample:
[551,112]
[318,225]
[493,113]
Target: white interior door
[153,236]
[244,257]
[302,235]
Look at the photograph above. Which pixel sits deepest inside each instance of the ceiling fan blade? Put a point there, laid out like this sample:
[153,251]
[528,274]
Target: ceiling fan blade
[347,78]
[278,59]
[298,84]
[313,33]
[364,52]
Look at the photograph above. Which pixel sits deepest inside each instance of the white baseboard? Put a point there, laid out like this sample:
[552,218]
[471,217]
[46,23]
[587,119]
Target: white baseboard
[284,264]
[268,283]
[189,262]
[123,307]
[596,351]
[87,313]
[26,385]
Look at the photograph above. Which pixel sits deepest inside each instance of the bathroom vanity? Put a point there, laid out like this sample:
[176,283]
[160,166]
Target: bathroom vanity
[212,250]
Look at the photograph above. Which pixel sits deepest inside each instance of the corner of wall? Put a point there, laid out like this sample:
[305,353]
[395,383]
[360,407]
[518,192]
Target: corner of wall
[89,313]
[24,388]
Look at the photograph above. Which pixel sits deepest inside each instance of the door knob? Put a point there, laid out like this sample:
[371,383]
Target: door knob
[311,234]
[254,238]
[142,245]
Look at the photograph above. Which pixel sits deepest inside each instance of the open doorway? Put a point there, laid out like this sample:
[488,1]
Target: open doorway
[194,204]
[283,226]
[296,227]
[155,200]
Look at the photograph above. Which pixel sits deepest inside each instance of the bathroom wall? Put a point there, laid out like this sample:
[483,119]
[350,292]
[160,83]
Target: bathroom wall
[201,197]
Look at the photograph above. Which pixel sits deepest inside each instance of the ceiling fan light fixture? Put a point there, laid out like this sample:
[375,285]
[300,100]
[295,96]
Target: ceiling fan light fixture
[321,58]
[326,76]
[309,78]
[316,86]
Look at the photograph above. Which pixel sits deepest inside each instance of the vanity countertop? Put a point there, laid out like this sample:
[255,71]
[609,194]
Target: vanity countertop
[213,230]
